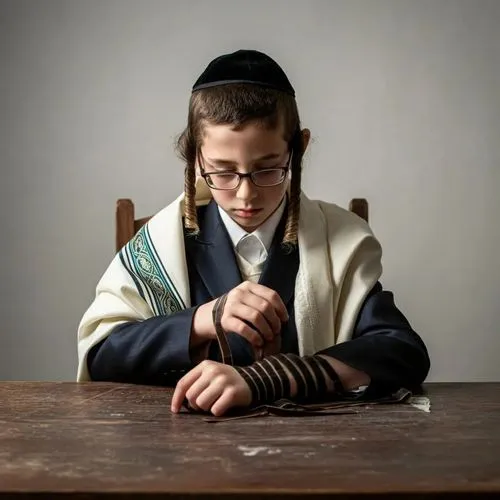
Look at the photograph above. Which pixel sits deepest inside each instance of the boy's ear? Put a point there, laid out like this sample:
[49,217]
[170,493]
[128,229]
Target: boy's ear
[306,136]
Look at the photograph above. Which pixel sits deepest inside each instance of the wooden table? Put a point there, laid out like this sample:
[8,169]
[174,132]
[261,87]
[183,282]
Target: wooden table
[68,440]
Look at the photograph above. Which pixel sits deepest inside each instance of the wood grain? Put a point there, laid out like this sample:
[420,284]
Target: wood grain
[97,440]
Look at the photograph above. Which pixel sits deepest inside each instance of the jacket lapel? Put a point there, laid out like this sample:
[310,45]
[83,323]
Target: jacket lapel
[212,254]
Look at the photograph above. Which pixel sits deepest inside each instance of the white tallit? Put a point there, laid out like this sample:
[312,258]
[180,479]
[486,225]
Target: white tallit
[340,262]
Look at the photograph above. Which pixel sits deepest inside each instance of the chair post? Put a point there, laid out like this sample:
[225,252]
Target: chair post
[360,207]
[124,222]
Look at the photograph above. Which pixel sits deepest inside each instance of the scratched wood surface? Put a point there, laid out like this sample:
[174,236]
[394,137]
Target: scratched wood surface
[66,440]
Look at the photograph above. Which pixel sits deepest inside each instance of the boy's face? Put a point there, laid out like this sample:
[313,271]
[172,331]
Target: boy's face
[247,149]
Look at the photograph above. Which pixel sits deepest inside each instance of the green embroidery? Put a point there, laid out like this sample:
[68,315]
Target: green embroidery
[142,262]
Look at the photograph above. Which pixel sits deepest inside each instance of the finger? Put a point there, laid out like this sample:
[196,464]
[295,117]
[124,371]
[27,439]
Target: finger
[196,389]
[272,297]
[183,386]
[207,398]
[224,403]
[255,317]
[236,325]
[266,309]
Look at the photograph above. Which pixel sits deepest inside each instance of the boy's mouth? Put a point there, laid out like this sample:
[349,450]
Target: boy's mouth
[246,213]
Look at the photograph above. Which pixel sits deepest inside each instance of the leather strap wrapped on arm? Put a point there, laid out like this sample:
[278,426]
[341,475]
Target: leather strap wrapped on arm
[217,311]
[269,379]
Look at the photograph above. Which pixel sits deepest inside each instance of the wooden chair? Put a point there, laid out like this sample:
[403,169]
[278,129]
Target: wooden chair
[127,225]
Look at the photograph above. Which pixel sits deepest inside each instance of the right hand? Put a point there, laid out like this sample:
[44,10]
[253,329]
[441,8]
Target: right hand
[247,303]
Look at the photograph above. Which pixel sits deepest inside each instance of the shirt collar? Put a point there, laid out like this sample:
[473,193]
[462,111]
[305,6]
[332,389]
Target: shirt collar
[265,232]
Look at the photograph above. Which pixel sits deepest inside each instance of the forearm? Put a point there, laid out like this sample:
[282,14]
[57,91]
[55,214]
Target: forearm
[389,361]
[304,379]
[383,346]
[154,351]
[161,349]
[349,377]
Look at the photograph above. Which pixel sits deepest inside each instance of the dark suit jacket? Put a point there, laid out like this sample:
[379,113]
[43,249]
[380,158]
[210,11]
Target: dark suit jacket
[156,351]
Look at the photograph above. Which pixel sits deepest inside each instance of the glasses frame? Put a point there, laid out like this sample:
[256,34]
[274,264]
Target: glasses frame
[241,176]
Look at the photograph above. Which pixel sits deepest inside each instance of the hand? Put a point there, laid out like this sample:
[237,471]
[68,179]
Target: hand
[247,303]
[213,387]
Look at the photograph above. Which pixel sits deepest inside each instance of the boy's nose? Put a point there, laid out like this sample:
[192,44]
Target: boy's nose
[246,190]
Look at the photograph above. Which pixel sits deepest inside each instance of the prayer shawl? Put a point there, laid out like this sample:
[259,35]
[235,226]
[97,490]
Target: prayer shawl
[340,262]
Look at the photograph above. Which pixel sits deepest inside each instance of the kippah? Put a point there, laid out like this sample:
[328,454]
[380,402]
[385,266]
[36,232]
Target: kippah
[244,66]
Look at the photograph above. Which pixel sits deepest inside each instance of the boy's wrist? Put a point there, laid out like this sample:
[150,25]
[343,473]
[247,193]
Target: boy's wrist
[203,329]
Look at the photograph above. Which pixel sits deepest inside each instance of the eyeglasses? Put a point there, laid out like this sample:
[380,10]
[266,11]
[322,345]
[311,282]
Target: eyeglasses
[267,177]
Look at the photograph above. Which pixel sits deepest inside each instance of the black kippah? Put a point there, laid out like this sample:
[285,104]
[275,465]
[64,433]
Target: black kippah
[244,66]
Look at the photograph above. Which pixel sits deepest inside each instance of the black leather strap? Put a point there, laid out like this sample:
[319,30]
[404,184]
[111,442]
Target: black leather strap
[314,365]
[311,385]
[285,408]
[299,379]
[217,311]
[332,374]
[280,377]
[268,381]
[250,379]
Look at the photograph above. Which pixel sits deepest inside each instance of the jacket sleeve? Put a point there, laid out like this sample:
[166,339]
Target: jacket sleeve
[384,345]
[154,351]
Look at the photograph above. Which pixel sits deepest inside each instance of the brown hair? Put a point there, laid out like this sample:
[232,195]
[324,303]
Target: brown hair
[237,105]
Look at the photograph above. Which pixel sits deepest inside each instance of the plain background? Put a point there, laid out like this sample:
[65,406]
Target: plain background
[402,97]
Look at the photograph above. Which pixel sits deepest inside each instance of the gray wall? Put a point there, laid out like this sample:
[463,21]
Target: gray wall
[402,98]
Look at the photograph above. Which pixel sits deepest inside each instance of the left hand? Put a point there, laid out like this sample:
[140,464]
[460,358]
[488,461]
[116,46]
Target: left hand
[213,387]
